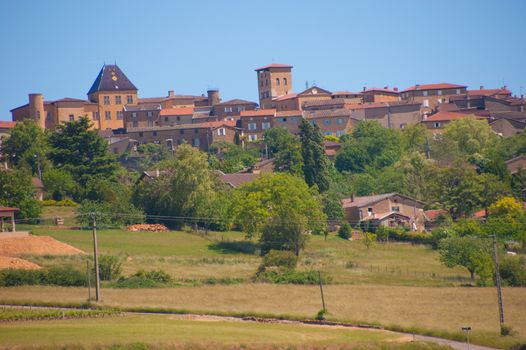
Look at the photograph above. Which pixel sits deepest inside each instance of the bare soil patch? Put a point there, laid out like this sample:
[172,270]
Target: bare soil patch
[7,262]
[35,245]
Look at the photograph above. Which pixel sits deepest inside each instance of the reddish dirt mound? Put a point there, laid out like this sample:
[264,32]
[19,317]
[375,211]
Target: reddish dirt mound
[16,263]
[147,227]
[35,245]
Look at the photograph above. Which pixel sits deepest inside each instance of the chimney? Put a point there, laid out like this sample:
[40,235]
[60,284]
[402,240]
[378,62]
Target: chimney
[417,86]
[170,93]
[364,88]
[213,97]
[386,87]
[481,87]
[395,88]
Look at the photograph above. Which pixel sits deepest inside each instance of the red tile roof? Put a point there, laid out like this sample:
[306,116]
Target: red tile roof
[434,87]
[286,97]
[238,179]
[7,125]
[489,92]
[273,65]
[177,111]
[231,123]
[346,93]
[445,116]
[295,113]
[258,113]
[8,209]
[382,90]
[434,213]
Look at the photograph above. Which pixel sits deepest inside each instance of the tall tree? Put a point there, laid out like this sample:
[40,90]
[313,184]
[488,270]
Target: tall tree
[470,135]
[315,161]
[288,159]
[81,151]
[26,147]
[17,191]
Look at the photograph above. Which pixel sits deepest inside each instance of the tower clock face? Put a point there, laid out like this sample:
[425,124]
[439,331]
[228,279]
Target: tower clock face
[114,78]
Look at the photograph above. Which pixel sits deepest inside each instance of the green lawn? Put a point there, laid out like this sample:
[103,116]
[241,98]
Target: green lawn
[224,254]
[165,331]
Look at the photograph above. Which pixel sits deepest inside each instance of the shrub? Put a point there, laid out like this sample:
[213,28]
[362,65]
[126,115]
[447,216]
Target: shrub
[437,235]
[403,235]
[110,267]
[291,277]
[506,330]
[349,264]
[345,231]
[320,316]
[144,279]
[58,276]
[280,258]
[513,271]
[62,203]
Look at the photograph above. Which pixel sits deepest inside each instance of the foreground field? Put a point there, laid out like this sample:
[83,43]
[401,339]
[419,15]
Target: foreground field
[163,331]
[423,308]
[188,256]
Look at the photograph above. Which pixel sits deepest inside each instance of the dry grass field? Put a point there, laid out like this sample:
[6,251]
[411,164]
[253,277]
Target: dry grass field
[425,308]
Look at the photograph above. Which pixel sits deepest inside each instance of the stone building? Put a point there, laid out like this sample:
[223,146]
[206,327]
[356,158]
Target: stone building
[274,80]
[431,95]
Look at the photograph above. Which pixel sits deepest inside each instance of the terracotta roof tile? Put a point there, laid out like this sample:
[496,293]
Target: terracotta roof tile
[488,92]
[258,113]
[445,116]
[238,179]
[434,87]
[285,97]
[7,125]
[295,113]
[273,65]
[177,111]
[382,90]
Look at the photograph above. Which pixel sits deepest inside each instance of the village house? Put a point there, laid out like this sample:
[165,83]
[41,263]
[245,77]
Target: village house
[176,116]
[296,101]
[393,115]
[380,95]
[231,110]
[141,116]
[254,123]
[274,80]
[431,95]
[477,98]
[516,164]
[289,120]
[348,96]
[438,121]
[332,122]
[389,209]
[507,127]
[509,104]
[198,135]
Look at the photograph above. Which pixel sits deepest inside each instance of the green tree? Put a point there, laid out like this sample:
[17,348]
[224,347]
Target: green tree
[470,136]
[507,220]
[26,146]
[188,188]
[233,157]
[369,239]
[286,230]
[371,145]
[345,231]
[17,191]
[276,139]
[470,252]
[288,159]
[79,150]
[152,154]
[271,195]
[59,184]
[315,162]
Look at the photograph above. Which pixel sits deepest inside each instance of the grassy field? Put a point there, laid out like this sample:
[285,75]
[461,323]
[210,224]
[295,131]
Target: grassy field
[424,308]
[163,331]
[224,254]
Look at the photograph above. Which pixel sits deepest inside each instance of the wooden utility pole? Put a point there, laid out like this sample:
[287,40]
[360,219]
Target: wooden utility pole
[321,291]
[497,281]
[96,258]
[89,281]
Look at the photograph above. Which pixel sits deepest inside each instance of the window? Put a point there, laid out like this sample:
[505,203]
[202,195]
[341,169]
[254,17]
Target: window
[425,103]
[403,125]
[165,119]
[181,131]
[120,115]
[437,125]
[49,116]
[228,109]
[395,209]
[134,114]
[252,137]
[38,114]
[154,133]
[71,117]
[117,100]
[221,132]
[339,133]
[197,142]
[251,126]
[240,108]
[196,131]
[285,82]
[370,211]
[141,134]
[135,124]
[129,99]
[150,114]
[327,121]
[439,92]
[106,100]
[95,115]
[327,133]
[457,92]
[265,125]
[424,93]
[277,81]
[339,121]
[108,115]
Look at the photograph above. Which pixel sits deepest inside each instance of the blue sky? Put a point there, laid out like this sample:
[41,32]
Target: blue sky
[58,47]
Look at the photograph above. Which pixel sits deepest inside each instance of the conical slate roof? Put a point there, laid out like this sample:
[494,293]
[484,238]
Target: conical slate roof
[111,78]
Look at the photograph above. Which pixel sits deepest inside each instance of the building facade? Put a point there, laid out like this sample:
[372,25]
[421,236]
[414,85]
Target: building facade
[274,80]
